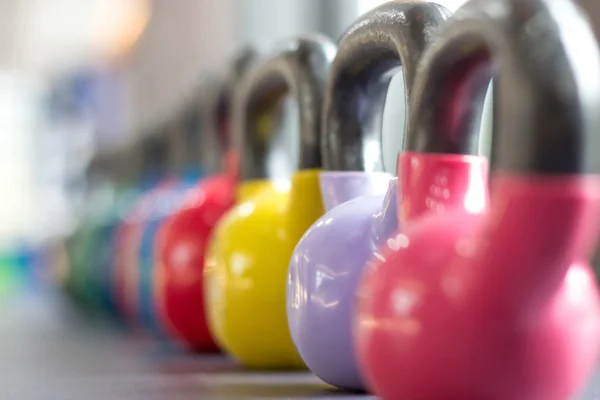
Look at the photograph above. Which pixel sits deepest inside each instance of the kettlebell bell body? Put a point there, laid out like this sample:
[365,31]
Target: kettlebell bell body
[165,204]
[249,253]
[329,259]
[149,172]
[64,272]
[245,280]
[126,257]
[98,257]
[106,248]
[81,265]
[323,272]
[164,161]
[126,234]
[182,242]
[494,303]
[90,263]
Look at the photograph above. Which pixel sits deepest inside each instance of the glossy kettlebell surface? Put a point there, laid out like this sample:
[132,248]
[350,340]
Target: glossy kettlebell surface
[130,229]
[249,253]
[329,259]
[179,275]
[164,205]
[183,239]
[498,302]
[128,246]
[244,288]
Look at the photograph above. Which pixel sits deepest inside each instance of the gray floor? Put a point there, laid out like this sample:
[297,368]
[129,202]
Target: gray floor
[49,352]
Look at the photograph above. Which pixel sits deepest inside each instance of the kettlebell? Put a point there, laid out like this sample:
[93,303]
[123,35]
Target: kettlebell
[329,259]
[109,192]
[124,166]
[151,173]
[96,216]
[250,249]
[183,136]
[100,201]
[182,239]
[74,282]
[63,268]
[71,275]
[494,302]
[80,242]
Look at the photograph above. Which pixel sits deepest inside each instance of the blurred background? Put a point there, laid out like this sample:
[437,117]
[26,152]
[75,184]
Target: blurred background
[79,76]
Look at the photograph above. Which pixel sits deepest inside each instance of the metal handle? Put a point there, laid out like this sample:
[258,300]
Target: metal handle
[299,69]
[129,162]
[177,136]
[390,36]
[215,95]
[155,152]
[546,64]
[102,167]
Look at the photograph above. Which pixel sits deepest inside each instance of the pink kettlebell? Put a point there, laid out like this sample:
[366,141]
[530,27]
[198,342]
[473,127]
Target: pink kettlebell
[499,302]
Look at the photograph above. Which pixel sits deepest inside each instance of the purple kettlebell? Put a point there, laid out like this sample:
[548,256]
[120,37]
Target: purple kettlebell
[360,202]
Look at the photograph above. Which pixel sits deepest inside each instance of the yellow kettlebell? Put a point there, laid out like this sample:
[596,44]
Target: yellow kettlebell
[248,257]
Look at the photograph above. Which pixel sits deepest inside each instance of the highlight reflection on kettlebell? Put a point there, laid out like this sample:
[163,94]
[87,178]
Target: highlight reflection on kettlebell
[251,246]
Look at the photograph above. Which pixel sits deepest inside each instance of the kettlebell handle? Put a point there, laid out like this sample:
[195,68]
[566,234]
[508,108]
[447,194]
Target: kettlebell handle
[547,74]
[391,36]
[154,153]
[180,131]
[102,167]
[129,162]
[299,68]
[214,102]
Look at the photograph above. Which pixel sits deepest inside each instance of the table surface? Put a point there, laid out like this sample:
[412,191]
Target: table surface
[48,351]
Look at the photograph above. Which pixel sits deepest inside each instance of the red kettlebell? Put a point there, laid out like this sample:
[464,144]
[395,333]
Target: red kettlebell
[182,240]
[498,303]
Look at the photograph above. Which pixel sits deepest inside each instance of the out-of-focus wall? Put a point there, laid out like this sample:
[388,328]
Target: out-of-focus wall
[186,37]
[264,22]
[182,39]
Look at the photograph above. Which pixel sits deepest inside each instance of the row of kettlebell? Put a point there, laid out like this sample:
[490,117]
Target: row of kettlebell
[134,193]
[416,286]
